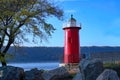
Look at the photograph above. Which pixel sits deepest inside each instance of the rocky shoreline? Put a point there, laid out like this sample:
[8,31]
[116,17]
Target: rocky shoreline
[89,70]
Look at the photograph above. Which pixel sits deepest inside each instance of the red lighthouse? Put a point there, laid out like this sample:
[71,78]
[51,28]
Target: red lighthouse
[71,42]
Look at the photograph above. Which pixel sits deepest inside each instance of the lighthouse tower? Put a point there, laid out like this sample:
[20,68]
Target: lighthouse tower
[71,42]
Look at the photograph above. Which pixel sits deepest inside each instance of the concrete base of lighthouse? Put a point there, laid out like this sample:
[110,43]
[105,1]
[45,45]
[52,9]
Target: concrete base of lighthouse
[71,67]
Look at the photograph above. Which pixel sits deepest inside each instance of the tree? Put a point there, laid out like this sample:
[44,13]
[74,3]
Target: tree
[19,18]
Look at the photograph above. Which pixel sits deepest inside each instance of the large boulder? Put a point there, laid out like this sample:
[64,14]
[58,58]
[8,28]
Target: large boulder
[90,69]
[11,73]
[34,74]
[108,74]
[78,76]
[56,74]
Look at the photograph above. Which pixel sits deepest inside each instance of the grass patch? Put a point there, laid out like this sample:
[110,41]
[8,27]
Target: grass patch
[113,66]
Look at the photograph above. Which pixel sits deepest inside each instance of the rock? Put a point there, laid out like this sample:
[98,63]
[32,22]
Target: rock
[90,69]
[11,73]
[34,74]
[108,74]
[77,76]
[55,74]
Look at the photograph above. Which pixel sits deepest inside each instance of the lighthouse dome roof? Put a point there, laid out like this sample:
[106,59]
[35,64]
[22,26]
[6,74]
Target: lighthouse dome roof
[72,19]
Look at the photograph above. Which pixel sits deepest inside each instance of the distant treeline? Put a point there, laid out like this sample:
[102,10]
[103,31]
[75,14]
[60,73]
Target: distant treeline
[50,54]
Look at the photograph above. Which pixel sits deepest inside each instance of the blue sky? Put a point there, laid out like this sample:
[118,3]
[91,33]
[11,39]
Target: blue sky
[100,22]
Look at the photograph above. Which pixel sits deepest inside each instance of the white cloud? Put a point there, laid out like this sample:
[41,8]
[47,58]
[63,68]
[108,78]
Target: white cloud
[70,11]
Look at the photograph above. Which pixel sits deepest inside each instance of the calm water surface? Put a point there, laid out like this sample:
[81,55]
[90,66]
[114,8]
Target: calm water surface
[41,65]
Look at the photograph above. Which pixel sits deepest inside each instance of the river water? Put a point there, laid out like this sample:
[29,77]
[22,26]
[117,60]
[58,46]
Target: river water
[41,65]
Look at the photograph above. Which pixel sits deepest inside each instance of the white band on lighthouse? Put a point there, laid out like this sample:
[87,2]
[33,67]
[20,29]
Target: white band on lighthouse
[71,25]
